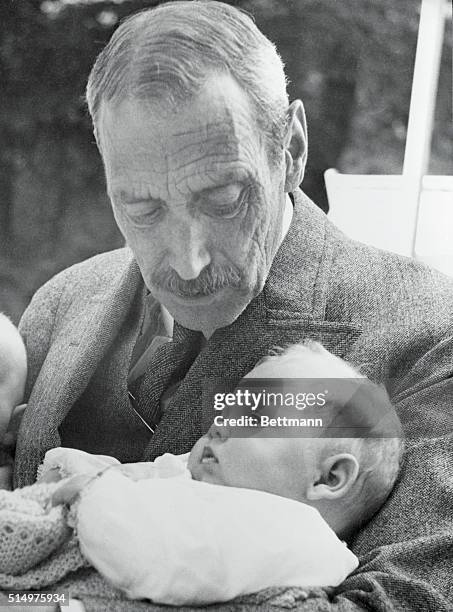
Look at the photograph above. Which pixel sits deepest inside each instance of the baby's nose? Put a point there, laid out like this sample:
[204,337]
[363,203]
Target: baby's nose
[219,432]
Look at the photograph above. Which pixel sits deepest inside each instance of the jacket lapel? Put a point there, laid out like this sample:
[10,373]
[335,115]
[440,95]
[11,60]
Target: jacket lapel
[83,343]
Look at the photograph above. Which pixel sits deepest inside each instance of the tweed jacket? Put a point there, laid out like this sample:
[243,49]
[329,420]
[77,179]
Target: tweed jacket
[389,315]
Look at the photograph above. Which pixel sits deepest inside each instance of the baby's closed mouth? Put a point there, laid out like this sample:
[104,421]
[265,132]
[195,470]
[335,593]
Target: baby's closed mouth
[208,456]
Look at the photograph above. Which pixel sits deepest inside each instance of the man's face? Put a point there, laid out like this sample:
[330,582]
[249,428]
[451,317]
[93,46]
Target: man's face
[197,200]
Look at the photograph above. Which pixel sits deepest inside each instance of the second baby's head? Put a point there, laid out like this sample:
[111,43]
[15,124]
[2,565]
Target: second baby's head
[13,369]
[346,478]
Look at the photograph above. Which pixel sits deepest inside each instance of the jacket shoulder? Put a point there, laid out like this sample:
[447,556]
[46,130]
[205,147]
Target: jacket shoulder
[76,284]
[85,279]
[102,268]
[374,284]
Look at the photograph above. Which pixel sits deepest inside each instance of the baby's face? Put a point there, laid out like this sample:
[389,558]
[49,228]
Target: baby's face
[282,466]
[277,465]
[12,383]
[12,389]
[10,397]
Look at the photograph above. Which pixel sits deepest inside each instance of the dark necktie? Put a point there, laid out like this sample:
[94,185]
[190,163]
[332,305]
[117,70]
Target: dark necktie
[168,365]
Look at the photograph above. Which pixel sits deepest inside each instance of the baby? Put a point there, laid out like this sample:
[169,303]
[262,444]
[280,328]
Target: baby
[346,479]
[161,531]
[13,373]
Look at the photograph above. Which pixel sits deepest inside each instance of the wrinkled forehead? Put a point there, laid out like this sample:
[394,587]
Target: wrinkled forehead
[215,128]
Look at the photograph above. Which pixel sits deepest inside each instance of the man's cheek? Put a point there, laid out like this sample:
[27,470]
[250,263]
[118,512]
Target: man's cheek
[247,256]
[132,235]
[257,230]
[140,242]
[121,221]
[138,239]
[236,241]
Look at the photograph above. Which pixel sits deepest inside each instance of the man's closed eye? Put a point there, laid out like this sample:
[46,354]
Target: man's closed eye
[227,207]
[143,213]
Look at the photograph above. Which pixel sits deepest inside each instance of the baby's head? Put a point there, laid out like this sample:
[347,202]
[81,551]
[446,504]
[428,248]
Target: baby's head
[346,479]
[13,369]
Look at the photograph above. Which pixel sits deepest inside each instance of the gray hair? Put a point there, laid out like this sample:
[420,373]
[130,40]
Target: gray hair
[168,53]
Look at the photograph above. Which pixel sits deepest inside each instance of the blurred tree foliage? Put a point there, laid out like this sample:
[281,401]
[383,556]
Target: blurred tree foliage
[351,62]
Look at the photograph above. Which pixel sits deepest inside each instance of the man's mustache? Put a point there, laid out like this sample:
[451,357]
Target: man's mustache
[211,279]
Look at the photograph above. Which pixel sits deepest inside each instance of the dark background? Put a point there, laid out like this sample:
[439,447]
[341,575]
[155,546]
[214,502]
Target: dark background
[350,61]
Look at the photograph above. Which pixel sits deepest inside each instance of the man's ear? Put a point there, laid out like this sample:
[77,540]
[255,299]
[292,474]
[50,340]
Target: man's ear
[338,474]
[295,145]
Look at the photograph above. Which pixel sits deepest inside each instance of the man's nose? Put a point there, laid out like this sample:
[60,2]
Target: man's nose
[188,251]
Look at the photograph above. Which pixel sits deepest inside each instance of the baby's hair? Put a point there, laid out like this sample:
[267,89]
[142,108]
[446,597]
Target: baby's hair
[310,348]
[379,454]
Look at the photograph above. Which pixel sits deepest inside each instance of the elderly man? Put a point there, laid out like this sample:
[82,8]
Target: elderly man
[226,258]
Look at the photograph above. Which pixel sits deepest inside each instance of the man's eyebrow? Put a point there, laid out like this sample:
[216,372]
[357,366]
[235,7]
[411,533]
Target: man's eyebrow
[220,180]
[131,196]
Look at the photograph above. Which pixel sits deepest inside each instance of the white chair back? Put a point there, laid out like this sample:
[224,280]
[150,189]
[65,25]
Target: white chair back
[374,209]
[410,214]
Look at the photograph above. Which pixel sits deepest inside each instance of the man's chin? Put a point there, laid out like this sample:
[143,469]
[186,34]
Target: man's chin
[205,313]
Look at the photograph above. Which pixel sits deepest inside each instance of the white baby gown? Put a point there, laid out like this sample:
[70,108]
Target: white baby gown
[157,534]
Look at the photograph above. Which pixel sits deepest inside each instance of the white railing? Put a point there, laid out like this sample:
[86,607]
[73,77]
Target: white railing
[410,214]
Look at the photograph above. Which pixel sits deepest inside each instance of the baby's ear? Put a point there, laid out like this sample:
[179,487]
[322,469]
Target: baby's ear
[338,475]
